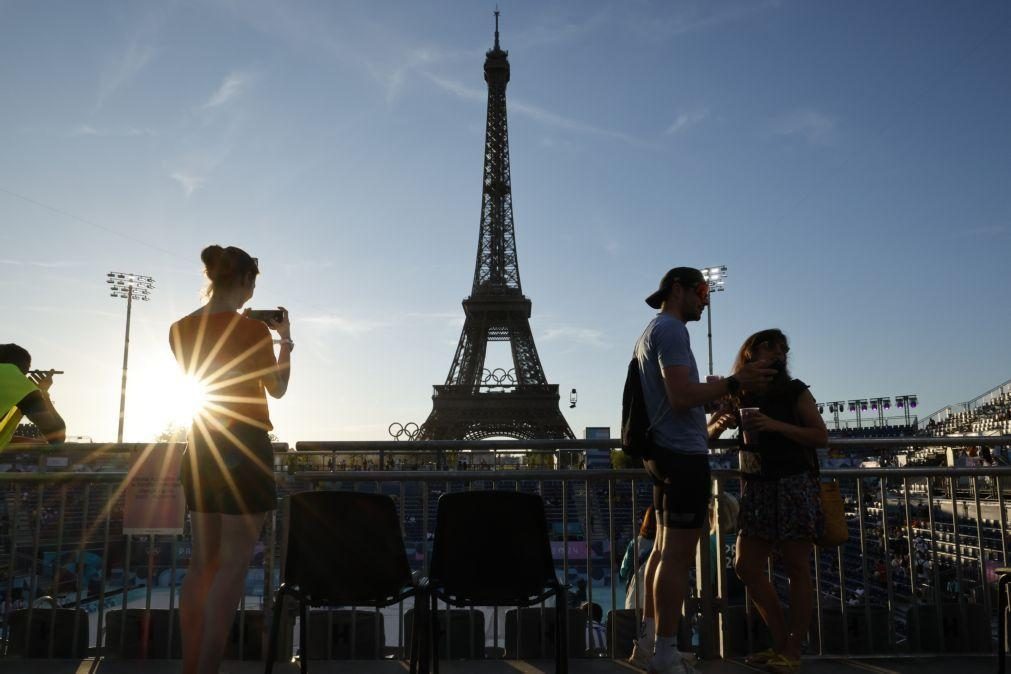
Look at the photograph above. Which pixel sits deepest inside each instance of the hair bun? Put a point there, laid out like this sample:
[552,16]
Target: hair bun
[212,257]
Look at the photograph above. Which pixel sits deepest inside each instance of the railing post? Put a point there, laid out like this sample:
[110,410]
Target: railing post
[706,592]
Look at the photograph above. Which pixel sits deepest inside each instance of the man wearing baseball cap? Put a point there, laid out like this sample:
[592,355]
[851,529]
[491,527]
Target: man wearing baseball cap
[679,461]
[23,392]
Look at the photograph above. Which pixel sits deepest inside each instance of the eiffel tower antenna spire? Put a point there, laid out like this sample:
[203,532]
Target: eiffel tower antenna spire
[496,28]
[476,402]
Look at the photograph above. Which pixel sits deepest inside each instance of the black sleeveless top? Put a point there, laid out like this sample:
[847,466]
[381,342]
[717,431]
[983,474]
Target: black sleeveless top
[775,455]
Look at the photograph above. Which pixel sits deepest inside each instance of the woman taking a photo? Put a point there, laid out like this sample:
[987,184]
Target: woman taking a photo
[228,467]
[780,506]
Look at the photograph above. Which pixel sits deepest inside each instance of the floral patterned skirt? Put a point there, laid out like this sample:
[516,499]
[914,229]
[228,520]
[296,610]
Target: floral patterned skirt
[785,509]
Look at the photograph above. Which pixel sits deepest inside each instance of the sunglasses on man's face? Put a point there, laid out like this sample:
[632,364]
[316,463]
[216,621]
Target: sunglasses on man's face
[702,290]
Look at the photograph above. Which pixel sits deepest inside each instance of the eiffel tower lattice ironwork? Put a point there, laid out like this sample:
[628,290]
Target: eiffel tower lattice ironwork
[476,403]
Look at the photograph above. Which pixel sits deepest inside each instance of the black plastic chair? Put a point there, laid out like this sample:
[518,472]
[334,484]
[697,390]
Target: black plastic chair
[492,549]
[343,549]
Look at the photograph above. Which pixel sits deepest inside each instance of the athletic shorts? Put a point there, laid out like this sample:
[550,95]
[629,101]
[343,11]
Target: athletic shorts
[681,488]
[784,509]
[231,477]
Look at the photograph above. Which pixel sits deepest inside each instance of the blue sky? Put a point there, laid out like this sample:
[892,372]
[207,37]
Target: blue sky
[849,163]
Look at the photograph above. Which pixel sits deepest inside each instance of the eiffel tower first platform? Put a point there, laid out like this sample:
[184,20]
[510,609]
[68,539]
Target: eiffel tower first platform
[476,403]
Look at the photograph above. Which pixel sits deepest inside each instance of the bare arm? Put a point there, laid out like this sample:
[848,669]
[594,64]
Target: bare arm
[811,431]
[720,422]
[40,411]
[683,393]
[276,382]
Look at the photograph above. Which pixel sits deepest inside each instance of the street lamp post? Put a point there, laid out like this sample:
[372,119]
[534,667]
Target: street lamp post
[716,277]
[129,287]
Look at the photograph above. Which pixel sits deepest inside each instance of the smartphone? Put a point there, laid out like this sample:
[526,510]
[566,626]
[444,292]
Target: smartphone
[43,373]
[266,315]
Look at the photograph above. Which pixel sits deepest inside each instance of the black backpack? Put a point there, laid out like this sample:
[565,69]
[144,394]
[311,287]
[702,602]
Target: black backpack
[635,426]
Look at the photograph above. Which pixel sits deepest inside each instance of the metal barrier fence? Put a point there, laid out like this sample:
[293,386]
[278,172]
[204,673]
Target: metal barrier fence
[916,577]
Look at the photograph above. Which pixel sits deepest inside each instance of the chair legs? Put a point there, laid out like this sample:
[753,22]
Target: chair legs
[275,623]
[561,632]
[1004,577]
[303,638]
[433,634]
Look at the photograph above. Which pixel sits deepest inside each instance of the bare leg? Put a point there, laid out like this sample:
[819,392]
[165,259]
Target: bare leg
[797,560]
[239,534]
[671,583]
[649,575]
[206,530]
[751,563]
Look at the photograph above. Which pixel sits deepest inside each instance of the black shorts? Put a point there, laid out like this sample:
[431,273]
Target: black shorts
[681,488]
[232,477]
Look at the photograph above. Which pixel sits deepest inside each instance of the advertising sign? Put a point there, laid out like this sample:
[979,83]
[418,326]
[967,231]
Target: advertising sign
[598,459]
[154,496]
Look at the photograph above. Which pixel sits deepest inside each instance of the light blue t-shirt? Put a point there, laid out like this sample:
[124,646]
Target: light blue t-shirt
[665,342]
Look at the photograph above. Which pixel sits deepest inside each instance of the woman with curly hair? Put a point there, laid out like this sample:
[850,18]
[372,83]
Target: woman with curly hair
[780,507]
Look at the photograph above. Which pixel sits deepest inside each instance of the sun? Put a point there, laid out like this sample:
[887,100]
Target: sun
[165,399]
[189,399]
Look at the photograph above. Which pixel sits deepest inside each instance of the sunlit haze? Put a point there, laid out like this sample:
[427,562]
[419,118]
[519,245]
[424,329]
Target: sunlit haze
[849,162]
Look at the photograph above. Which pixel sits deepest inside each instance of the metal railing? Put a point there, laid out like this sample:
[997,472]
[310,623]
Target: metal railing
[63,545]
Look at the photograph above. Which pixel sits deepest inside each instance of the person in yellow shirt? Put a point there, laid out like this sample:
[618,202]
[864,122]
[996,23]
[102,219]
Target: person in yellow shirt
[26,393]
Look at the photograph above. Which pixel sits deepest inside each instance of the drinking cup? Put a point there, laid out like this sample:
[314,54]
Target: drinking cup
[746,414]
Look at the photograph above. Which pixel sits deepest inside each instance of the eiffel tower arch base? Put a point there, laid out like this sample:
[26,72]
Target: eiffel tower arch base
[524,413]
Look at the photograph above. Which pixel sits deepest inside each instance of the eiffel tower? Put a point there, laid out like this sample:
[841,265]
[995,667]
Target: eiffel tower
[476,403]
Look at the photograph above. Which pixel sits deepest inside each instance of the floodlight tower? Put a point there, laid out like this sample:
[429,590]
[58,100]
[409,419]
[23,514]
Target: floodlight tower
[716,277]
[905,403]
[835,407]
[129,287]
[879,405]
[859,405]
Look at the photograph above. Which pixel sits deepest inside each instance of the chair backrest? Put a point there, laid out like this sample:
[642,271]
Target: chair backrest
[345,548]
[491,548]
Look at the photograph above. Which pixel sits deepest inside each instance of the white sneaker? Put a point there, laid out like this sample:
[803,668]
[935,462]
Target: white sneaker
[641,654]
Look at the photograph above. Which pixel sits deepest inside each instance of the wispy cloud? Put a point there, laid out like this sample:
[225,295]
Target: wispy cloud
[189,182]
[533,112]
[48,264]
[452,318]
[123,69]
[129,132]
[343,324]
[69,309]
[233,85]
[688,17]
[575,335]
[686,120]
[808,124]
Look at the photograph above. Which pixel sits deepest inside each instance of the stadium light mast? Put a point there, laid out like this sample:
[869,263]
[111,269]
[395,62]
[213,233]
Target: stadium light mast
[906,403]
[859,405]
[129,287]
[716,277]
[879,405]
[835,407]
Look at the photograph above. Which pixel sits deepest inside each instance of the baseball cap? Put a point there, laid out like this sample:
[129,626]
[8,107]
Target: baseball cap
[688,277]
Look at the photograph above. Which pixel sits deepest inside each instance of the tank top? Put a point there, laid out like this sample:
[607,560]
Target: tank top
[775,455]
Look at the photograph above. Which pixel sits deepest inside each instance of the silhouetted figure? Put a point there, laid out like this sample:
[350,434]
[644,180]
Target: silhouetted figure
[227,470]
[780,506]
[679,461]
[26,393]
